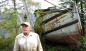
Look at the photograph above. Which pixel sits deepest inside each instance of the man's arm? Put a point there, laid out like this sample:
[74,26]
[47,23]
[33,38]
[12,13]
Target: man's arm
[16,46]
[39,48]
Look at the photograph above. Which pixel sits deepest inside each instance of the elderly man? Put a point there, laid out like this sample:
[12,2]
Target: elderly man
[27,40]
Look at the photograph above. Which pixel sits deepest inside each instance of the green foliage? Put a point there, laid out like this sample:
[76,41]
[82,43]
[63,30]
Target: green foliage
[39,19]
[10,25]
[83,43]
[6,44]
[38,25]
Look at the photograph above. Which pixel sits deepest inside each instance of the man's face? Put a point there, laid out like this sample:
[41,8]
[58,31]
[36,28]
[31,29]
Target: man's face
[25,29]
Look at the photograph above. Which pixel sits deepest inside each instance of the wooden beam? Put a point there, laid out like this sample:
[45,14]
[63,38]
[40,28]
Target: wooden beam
[57,15]
[62,26]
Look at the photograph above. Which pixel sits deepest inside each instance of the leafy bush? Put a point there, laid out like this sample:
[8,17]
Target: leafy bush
[83,43]
[6,44]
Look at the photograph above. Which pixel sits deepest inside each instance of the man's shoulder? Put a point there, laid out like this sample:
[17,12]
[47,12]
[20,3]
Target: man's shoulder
[33,33]
[19,35]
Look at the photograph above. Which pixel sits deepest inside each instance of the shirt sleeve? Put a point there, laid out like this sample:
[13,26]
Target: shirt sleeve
[16,46]
[39,47]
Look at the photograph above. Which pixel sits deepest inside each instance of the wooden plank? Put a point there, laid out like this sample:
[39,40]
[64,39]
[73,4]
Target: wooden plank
[62,26]
[57,15]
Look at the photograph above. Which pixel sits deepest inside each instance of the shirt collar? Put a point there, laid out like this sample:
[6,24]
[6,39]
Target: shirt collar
[30,34]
